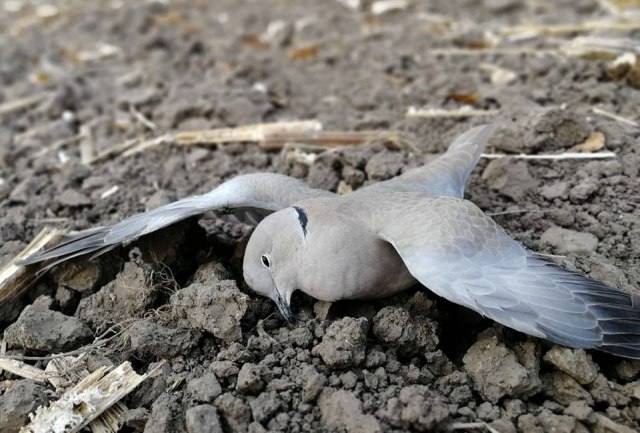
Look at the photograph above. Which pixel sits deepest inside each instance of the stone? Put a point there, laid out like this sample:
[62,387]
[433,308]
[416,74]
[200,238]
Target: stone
[150,338]
[135,419]
[344,343]
[395,326]
[565,241]
[203,389]
[21,398]
[234,412]
[224,368]
[575,362]
[265,406]
[47,331]
[583,191]
[496,371]
[73,198]
[166,416]
[216,308]
[313,383]
[342,409]
[250,379]
[579,409]
[417,408]
[510,178]
[564,389]
[203,419]
[129,295]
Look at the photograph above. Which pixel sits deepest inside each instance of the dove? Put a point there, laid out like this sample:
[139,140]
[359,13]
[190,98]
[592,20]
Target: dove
[379,240]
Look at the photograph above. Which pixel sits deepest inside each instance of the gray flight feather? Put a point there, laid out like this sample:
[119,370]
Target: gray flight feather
[253,195]
[458,252]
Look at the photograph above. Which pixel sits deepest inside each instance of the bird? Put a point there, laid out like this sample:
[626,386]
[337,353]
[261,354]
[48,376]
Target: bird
[379,240]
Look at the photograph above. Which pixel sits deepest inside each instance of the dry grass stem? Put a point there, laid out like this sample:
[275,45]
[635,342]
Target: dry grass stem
[492,51]
[21,104]
[21,369]
[466,111]
[613,116]
[564,155]
[559,29]
[473,426]
[15,279]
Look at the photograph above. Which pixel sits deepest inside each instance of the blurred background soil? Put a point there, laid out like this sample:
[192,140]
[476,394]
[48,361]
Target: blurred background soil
[79,79]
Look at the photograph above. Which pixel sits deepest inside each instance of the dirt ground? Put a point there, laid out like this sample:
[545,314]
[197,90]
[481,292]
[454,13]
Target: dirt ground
[102,73]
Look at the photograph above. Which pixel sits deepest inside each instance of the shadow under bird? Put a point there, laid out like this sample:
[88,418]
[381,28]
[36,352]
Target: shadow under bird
[378,240]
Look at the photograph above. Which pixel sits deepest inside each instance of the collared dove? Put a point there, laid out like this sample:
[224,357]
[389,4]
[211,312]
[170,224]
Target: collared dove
[384,238]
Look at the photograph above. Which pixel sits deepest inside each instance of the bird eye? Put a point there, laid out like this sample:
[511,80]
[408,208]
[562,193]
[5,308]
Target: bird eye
[265,260]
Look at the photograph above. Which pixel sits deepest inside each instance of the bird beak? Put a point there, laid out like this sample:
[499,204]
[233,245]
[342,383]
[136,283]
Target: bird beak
[284,307]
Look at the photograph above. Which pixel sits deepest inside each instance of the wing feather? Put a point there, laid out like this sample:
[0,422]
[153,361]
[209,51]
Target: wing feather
[452,248]
[254,195]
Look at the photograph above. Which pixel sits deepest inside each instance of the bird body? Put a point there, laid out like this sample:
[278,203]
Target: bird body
[383,238]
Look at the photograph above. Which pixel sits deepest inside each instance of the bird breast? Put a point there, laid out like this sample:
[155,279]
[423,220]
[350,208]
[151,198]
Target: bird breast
[351,264]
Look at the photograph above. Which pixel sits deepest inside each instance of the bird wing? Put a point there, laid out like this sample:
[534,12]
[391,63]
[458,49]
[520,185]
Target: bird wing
[459,253]
[251,197]
[447,174]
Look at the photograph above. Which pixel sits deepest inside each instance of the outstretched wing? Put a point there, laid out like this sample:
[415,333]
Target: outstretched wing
[252,196]
[446,175]
[459,253]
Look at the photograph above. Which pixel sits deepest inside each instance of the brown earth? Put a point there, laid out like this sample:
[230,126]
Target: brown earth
[414,362]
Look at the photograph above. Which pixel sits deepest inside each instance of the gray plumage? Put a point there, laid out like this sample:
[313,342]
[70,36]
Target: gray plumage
[379,240]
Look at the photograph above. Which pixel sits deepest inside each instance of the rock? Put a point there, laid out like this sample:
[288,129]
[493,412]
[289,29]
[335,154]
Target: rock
[224,368]
[496,371]
[250,379]
[583,191]
[234,412]
[323,174]
[395,326]
[606,425]
[204,389]
[575,362]
[564,389]
[601,391]
[580,410]
[555,190]
[152,388]
[149,338]
[313,383]
[265,406]
[342,409]
[417,408]
[503,425]
[86,276]
[628,369]
[301,337]
[135,419]
[20,399]
[551,422]
[47,331]
[344,343]
[210,273]
[166,416]
[566,241]
[384,165]
[529,423]
[216,309]
[73,198]
[203,419]
[129,295]
[509,178]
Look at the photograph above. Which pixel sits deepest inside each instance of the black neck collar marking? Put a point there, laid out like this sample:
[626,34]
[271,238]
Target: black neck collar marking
[302,218]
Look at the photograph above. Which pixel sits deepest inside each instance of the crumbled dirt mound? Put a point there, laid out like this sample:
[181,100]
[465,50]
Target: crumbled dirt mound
[107,72]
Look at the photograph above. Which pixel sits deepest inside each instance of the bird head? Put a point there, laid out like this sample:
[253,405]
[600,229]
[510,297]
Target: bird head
[270,265]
